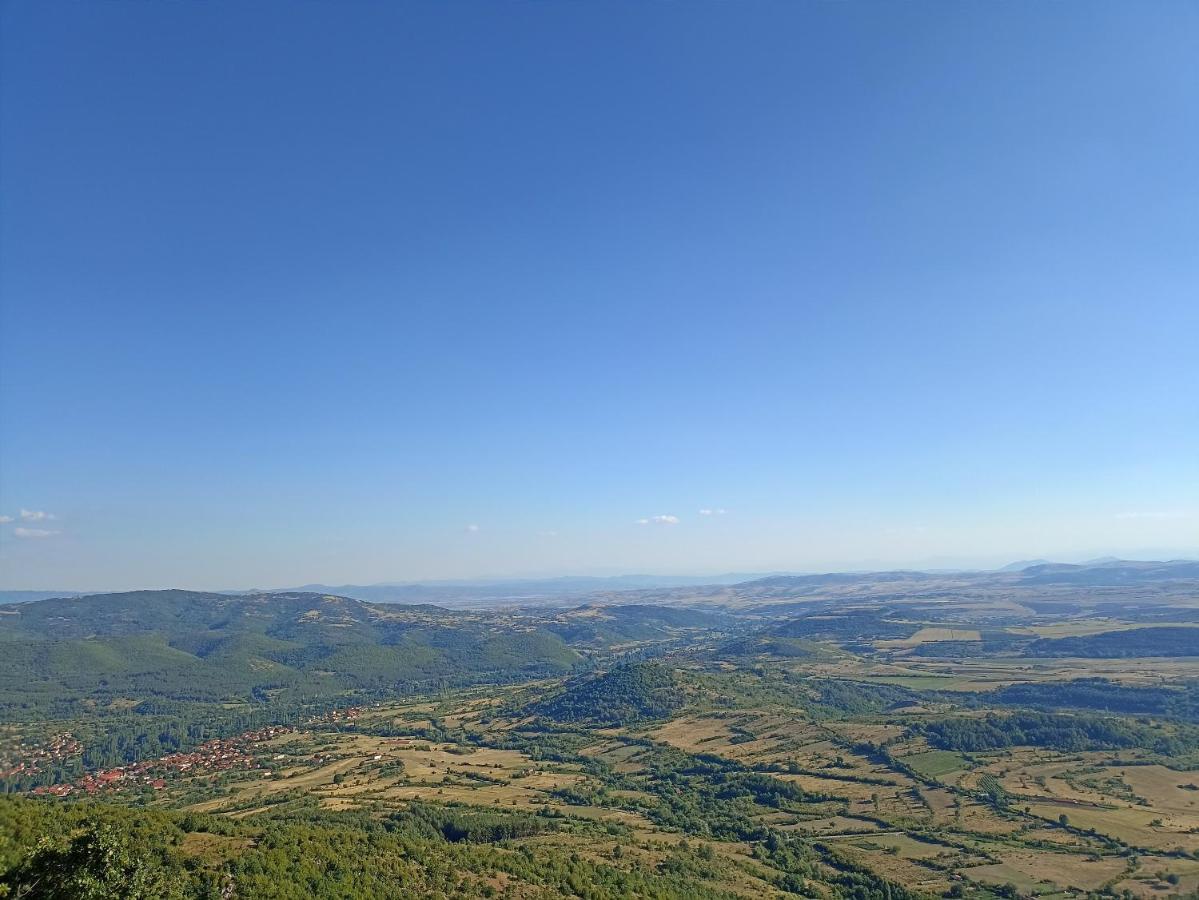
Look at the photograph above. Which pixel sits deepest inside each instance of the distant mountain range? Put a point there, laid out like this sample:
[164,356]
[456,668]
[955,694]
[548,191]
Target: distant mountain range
[463,593]
[571,589]
[521,591]
[1112,572]
[31,596]
[1021,565]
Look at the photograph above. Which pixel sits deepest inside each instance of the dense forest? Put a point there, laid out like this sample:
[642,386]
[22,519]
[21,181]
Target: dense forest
[623,695]
[996,731]
[1176,640]
[101,852]
[70,656]
[1175,702]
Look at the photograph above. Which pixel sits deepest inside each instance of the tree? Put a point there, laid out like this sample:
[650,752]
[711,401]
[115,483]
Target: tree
[99,864]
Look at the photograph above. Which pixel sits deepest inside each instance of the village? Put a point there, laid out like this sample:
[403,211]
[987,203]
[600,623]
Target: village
[32,759]
[236,753]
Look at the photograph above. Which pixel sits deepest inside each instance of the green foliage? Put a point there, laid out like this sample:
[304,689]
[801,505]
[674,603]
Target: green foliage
[76,656]
[624,694]
[1165,640]
[858,697]
[993,791]
[1057,731]
[993,642]
[476,826]
[102,863]
[848,626]
[148,673]
[1100,694]
[104,852]
[777,646]
[605,626]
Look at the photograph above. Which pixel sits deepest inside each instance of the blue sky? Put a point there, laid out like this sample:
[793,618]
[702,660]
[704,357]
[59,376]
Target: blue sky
[386,291]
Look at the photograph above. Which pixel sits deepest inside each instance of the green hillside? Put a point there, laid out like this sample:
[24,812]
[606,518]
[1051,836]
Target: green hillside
[1178,640]
[624,694]
[214,648]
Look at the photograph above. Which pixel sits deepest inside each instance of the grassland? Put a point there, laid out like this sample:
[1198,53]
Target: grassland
[801,758]
[919,816]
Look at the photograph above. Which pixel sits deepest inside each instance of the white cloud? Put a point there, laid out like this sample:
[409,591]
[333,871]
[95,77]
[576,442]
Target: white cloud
[35,515]
[712,512]
[550,533]
[33,532]
[1175,514]
[4,520]
[659,520]
[472,528]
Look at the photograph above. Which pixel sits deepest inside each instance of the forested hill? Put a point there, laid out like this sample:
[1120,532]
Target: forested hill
[177,612]
[626,693]
[1165,640]
[183,645]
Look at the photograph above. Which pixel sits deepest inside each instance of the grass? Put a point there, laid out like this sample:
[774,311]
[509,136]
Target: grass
[934,763]
[1134,826]
[932,635]
[1043,872]
[872,813]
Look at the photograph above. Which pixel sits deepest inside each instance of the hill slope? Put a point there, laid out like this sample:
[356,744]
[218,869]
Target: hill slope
[619,696]
[190,646]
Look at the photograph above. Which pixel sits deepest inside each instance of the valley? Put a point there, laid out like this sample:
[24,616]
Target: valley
[843,738]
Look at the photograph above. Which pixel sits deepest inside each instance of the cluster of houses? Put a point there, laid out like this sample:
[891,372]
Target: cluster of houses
[31,759]
[219,755]
[337,715]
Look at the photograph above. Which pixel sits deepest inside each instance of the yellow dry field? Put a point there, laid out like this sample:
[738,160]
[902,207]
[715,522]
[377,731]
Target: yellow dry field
[862,799]
[853,791]
[940,803]
[931,635]
[1047,781]
[1140,671]
[1149,806]
[695,734]
[1075,869]
[1150,878]
[748,737]
[1030,870]
[268,784]
[910,874]
[352,769]
[832,826]
[904,846]
[874,733]
[1079,628]
[1045,775]
[984,674]
[831,762]
[622,757]
[508,796]
[923,675]
[980,818]
[435,762]
[1135,825]
[390,711]
[1164,790]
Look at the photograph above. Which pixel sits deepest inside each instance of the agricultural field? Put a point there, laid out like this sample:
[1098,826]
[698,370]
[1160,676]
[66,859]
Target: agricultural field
[895,750]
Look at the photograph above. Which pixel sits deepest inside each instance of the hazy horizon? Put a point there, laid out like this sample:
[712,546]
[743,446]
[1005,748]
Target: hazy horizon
[864,566]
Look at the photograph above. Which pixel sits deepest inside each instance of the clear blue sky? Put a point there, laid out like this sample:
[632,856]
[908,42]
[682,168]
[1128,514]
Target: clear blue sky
[392,290]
